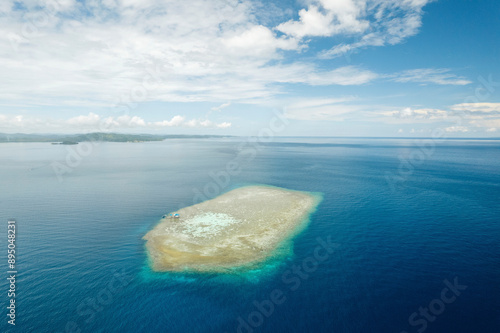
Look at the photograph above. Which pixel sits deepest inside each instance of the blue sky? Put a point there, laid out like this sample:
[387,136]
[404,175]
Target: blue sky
[329,67]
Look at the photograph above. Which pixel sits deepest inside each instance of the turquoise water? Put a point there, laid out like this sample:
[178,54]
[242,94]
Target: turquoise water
[401,219]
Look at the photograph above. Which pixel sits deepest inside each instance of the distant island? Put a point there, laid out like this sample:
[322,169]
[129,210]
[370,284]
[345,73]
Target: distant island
[65,143]
[240,228]
[69,139]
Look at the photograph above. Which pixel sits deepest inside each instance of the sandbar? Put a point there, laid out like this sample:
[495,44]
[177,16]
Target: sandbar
[236,229]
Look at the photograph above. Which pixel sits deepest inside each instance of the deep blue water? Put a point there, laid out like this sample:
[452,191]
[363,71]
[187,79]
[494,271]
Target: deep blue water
[403,219]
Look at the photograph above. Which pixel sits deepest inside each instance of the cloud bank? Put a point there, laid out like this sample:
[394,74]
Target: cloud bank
[94,122]
[483,117]
[88,53]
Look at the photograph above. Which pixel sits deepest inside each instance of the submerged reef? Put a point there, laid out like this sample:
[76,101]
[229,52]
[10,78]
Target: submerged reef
[239,228]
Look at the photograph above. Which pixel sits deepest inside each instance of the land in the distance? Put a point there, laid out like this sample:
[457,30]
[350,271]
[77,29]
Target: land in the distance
[239,228]
[105,137]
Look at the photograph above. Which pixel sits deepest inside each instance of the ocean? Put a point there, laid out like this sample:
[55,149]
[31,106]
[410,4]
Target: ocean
[408,231]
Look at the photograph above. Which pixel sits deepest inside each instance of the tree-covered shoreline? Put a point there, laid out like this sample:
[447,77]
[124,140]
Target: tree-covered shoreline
[104,137]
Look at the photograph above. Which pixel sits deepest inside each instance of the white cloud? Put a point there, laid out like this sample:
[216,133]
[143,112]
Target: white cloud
[94,122]
[338,16]
[100,53]
[128,121]
[205,123]
[329,109]
[257,41]
[477,107]
[487,124]
[175,121]
[89,120]
[223,125]
[466,111]
[104,52]
[440,76]
[374,22]
[458,118]
[220,107]
[318,102]
[307,74]
[416,115]
[454,129]
[348,75]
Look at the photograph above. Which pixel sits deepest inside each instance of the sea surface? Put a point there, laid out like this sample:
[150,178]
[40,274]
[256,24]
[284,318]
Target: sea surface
[413,228]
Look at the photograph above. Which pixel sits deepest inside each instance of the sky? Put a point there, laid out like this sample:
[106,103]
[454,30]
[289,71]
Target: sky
[376,68]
